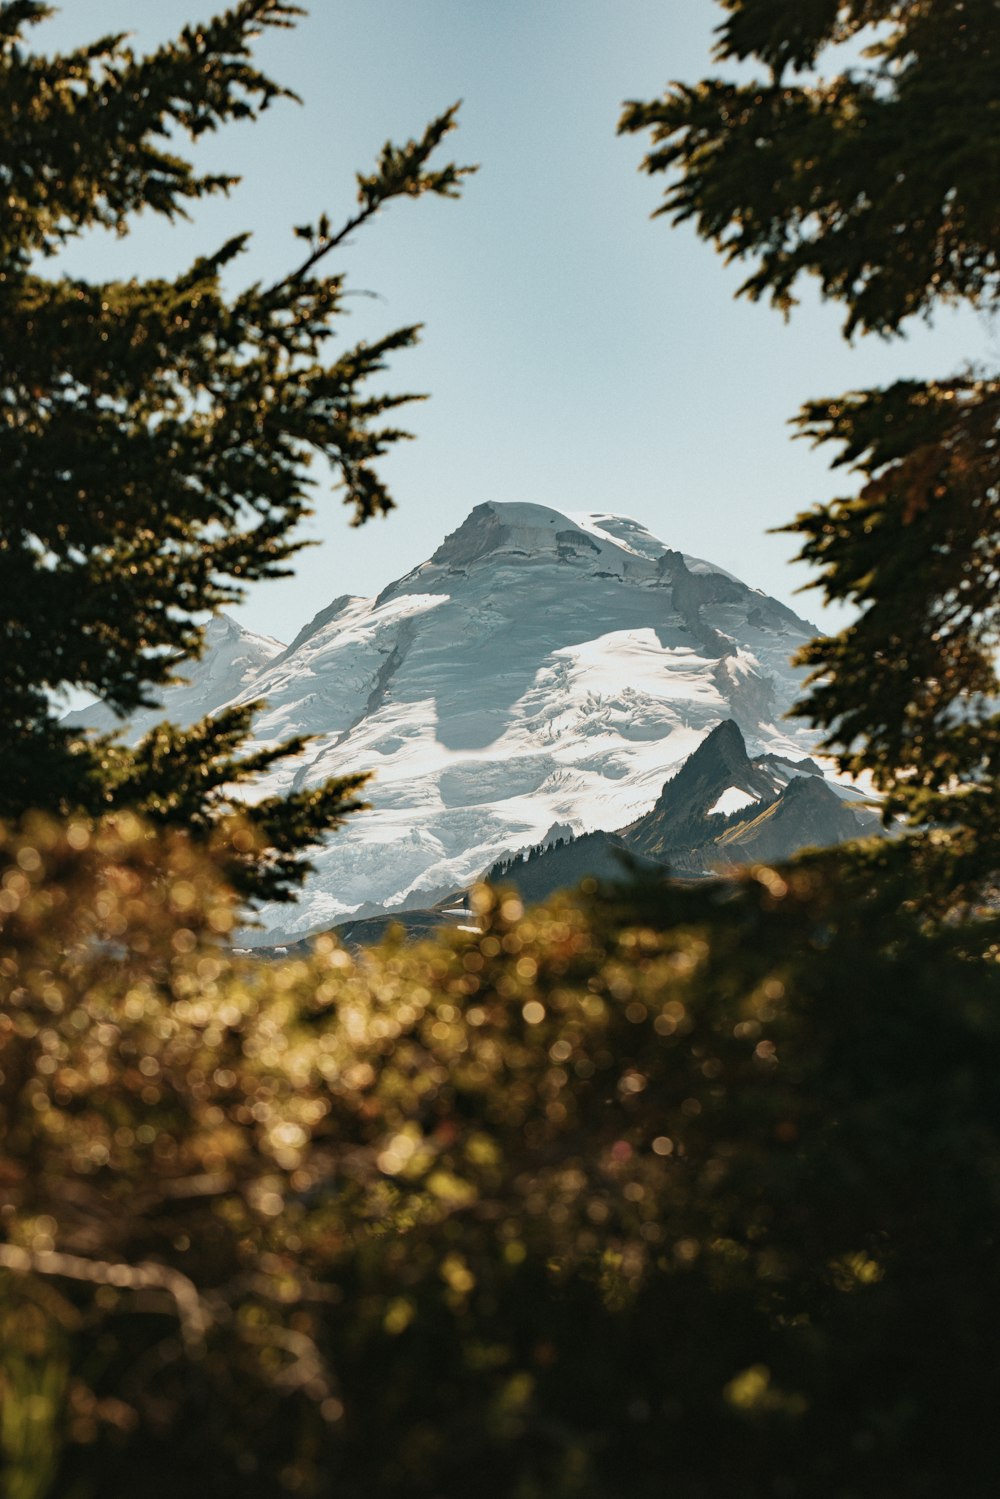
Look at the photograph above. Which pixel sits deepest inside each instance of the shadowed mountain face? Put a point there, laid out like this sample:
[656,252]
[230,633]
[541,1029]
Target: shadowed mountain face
[721,809]
[717,781]
[807,814]
[539,669]
[600,856]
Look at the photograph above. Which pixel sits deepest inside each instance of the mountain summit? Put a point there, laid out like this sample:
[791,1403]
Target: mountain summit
[540,670]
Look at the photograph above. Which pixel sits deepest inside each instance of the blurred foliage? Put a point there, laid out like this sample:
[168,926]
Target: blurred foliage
[655,1186]
[158,437]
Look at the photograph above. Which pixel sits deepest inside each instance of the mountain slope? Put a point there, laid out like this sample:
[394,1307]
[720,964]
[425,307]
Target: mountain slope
[724,808]
[562,866]
[807,814]
[716,781]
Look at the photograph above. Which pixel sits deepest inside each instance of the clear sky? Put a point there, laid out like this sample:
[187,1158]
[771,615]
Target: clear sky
[577,353]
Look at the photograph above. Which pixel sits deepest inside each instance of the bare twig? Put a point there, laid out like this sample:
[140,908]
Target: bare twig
[191,1313]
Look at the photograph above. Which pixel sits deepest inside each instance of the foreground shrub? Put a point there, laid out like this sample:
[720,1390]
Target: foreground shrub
[658,1190]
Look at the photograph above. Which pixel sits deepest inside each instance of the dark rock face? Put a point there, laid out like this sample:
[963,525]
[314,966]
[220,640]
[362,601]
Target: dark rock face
[691,592]
[807,814]
[804,766]
[793,808]
[480,533]
[681,817]
[576,541]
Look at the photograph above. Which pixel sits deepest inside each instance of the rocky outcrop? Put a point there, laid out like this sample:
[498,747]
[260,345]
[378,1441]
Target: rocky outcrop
[807,814]
[682,817]
[720,810]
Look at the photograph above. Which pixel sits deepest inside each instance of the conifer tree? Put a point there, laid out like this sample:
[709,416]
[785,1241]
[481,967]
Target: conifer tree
[879,181]
[156,436]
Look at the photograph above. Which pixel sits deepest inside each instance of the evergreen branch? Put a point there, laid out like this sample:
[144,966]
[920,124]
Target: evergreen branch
[400,173]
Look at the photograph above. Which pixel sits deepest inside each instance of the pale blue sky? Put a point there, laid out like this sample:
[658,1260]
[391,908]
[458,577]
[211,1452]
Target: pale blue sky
[577,354]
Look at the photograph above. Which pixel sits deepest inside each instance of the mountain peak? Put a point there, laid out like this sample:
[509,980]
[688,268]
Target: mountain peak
[232,658]
[515,527]
[726,740]
[718,777]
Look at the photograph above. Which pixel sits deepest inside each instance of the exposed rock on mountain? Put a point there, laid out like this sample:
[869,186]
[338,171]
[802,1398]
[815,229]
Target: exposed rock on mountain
[724,808]
[807,814]
[721,808]
[717,781]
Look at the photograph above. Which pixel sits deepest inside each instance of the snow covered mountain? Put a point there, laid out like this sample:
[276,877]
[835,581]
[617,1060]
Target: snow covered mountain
[233,657]
[540,672]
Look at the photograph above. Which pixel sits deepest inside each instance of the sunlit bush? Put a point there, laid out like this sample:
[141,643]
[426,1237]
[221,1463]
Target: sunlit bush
[623,1195]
